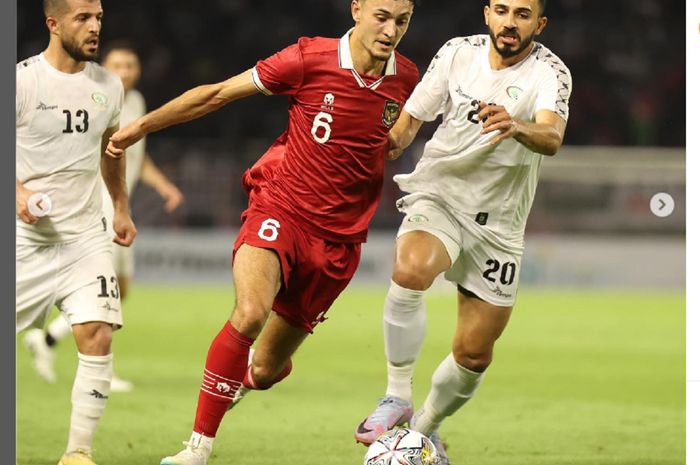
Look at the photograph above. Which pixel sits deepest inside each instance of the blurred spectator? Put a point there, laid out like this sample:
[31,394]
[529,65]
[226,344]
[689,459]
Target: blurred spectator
[627,57]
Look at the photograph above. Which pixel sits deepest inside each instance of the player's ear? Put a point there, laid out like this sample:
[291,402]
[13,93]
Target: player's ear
[355,10]
[541,23]
[52,24]
[486,15]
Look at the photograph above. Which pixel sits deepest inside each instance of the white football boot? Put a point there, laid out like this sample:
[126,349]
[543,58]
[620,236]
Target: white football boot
[196,452]
[120,384]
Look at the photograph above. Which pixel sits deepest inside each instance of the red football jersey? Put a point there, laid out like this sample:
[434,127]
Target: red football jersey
[326,170]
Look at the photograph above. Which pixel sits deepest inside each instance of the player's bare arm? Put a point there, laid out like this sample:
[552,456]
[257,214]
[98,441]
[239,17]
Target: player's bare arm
[193,104]
[402,135]
[544,136]
[114,174]
[152,176]
[22,195]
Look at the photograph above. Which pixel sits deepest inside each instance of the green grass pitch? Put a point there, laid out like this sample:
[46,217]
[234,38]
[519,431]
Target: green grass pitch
[579,378]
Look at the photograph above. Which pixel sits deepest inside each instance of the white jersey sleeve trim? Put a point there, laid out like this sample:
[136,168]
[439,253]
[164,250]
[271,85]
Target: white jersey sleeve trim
[258,83]
[561,84]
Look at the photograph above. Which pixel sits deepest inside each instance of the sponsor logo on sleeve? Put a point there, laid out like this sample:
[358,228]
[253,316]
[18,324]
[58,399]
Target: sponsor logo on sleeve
[418,218]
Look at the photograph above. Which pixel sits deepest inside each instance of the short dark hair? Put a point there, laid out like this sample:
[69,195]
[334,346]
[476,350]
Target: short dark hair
[543,5]
[54,7]
[415,2]
[118,44]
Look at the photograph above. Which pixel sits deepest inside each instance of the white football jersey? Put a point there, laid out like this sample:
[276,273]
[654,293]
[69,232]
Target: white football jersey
[134,108]
[60,122]
[492,185]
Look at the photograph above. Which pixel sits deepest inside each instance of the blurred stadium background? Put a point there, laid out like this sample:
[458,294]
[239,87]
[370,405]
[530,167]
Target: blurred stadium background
[624,139]
[591,234]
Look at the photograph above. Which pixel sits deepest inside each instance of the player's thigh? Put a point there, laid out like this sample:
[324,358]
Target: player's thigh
[261,259]
[256,277]
[277,343]
[479,325]
[35,286]
[420,255]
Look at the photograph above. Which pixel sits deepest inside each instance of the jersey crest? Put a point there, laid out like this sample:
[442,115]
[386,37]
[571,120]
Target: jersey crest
[390,113]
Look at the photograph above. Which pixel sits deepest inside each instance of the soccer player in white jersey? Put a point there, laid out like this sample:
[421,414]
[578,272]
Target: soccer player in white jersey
[121,58]
[504,103]
[66,109]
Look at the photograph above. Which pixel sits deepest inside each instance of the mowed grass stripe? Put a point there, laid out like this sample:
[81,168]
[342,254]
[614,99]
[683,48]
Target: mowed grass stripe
[579,378]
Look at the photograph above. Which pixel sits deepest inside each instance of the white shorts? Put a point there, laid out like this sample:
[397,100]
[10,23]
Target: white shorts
[123,260]
[480,264]
[77,277]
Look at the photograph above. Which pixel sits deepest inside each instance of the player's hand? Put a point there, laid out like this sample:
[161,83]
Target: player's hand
[172,196]
[22,205]
[496,118]
[123,138]
[393,151]
[124,229]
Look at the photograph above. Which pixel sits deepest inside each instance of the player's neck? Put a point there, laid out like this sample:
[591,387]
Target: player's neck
[363,62]
[59,59]
[499,62]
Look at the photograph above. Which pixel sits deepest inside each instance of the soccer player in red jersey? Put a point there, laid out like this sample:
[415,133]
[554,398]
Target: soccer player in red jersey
[311,196]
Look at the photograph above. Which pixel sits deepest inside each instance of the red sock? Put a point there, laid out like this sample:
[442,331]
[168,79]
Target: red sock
[251,383]
[226,366]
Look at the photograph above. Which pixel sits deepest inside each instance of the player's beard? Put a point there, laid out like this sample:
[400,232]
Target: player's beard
[73,49]
[508,52]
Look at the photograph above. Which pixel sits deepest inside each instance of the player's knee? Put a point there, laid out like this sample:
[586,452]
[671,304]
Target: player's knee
[412,276]
[95,340]
[249,318]
[477,361]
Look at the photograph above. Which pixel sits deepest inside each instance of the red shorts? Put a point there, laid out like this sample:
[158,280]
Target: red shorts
[314,271]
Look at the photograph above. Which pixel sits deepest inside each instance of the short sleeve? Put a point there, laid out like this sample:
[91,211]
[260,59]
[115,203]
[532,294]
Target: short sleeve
[555,90]
[430,95]
[118,106]
[21,97]
[282,73]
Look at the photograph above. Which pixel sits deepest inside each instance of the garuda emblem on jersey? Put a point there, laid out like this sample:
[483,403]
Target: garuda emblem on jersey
[390,113]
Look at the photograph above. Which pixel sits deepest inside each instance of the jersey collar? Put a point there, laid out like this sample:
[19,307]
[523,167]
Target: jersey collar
[345,59]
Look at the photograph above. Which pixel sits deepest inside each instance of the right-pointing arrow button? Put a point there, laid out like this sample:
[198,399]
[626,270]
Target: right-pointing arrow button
[662,204]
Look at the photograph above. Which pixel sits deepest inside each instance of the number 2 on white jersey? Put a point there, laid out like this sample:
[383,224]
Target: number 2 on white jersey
[322,124]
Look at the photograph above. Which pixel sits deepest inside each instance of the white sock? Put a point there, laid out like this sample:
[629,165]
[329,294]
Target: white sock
[404,331]
[400,381]
[89,398]
[59,328]
[453,385]
[200,440]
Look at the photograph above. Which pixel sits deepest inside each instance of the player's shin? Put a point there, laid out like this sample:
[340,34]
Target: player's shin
[89,398]
[452,386]
[226,365]
[404,331]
